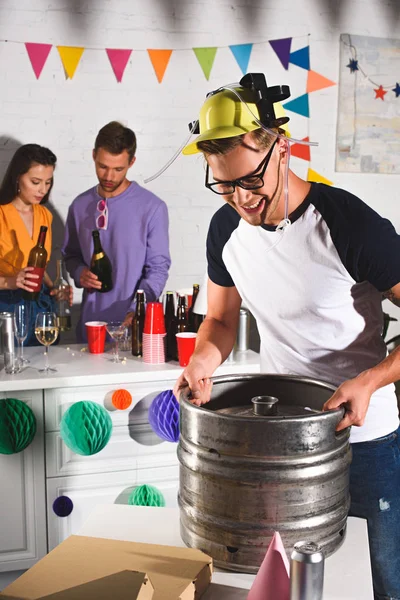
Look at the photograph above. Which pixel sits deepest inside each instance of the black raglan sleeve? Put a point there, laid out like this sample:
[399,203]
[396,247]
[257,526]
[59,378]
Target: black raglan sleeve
[222,225]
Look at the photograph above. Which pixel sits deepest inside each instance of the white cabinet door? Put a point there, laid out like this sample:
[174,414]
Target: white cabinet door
[86,491]
[22,497]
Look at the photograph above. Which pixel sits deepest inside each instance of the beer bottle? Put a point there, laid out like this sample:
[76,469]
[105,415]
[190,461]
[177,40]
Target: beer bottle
[181,318]
[138,324]
[194,319]
[181,315]
[38,260]
[170,325]
[100,264]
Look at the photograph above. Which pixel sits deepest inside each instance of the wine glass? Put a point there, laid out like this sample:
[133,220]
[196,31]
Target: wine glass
[21,327]
[116,329]
[46,331]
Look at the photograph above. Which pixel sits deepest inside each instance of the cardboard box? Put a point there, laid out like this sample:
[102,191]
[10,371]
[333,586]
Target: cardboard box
[87,565]
[125,584]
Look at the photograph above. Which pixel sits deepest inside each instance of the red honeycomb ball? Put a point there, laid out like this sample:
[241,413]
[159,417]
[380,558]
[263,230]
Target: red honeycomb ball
[121,399]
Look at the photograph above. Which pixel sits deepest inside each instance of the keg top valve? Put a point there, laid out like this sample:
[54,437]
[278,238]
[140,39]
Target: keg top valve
[265,405]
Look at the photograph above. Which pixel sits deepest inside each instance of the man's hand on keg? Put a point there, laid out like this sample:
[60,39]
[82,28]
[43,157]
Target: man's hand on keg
[196,378]
[354,396]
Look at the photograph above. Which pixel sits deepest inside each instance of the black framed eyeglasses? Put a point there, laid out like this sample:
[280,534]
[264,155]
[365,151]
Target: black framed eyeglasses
[253,181]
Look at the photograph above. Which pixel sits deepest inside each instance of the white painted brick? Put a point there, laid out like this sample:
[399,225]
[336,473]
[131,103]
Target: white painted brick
[66,115]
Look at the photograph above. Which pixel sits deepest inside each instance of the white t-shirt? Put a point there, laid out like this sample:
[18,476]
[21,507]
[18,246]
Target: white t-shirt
[315,290]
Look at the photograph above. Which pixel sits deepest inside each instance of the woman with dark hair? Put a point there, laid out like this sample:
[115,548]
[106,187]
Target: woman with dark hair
[25,189]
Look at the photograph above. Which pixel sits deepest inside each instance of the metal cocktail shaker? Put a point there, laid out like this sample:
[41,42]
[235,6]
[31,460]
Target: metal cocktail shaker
[306,572]
[6,333]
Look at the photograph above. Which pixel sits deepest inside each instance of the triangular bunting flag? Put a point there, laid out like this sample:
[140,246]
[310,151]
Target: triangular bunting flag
[206,57]
[315,82]
[242,54]
[70,57]
[314,176]
[119,60]
[301,150]
[301,58]
[299,105]
[282,50]
[159,60]
[38,54]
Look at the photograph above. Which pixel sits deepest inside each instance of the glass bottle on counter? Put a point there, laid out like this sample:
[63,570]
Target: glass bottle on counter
[38,260]
[100,264]
[138,324]
[61,288]
[181,315]
[181,318]
[170,325]
[194,319]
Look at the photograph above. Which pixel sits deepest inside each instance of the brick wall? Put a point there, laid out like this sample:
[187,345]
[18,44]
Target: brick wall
[66,115]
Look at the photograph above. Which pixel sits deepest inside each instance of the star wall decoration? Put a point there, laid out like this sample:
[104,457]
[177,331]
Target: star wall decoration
[396,90]
[353,65]
[380,93]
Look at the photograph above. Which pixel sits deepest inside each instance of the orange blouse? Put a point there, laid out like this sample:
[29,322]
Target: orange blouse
[15,241]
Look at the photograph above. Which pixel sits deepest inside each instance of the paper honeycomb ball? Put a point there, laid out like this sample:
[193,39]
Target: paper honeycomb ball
[146,495]
[86,428]
[164,416]
[17,426]
[121,399]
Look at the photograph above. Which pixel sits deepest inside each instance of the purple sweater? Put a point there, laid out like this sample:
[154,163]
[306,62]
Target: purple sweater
[135,241]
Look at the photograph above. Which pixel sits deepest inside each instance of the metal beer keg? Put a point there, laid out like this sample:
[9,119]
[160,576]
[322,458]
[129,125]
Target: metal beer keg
[250,468]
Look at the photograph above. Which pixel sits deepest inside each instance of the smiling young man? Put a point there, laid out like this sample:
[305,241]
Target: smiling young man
[133,225]
[315,288]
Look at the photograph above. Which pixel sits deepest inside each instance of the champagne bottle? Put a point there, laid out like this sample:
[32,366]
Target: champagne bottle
[38,260]
[61,288]
[170,325]
[100,264]
[194,319]
[138,324]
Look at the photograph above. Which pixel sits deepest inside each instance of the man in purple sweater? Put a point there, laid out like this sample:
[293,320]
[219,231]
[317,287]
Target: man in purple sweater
[133,225]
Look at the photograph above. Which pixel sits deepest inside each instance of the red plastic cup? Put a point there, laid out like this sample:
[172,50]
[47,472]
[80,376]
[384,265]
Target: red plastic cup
[96,335]
[154,321]
[186,342]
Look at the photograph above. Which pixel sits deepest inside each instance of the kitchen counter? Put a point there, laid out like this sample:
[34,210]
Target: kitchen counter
[77,367]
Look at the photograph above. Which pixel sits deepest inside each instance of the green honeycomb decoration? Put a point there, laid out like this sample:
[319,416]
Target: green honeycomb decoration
[86,428]
[17,426]
[146,495]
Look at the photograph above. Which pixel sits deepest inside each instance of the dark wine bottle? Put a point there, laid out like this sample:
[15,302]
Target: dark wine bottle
[194,319]
[138,324]
[100,264]
[38,260]
[170,326]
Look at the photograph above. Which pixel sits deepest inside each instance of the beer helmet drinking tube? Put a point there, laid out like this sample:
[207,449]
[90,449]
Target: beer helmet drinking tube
[239,108]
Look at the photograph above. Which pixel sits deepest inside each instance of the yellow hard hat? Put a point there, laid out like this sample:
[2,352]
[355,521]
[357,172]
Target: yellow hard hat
[224,115]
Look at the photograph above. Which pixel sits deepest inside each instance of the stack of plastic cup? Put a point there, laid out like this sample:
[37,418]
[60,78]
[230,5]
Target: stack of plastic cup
[154,334]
